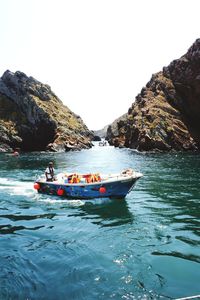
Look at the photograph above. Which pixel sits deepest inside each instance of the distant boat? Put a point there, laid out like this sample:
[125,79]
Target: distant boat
[89,186]
[102,143]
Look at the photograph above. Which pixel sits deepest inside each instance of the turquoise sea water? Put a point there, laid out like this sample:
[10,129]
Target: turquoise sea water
[144,247]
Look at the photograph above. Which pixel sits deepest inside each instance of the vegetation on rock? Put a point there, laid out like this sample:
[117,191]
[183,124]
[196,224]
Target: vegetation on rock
[165,115]
[32,117]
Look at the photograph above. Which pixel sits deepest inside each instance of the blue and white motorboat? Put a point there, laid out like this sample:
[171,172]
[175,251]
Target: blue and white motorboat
[89,186]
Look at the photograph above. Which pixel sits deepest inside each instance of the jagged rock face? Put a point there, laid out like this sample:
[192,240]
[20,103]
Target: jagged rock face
[102,132]
[185,75]
[33,118]
[165,115]
[115,134]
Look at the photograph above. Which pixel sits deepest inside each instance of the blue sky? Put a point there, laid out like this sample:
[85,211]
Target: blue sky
[95,55]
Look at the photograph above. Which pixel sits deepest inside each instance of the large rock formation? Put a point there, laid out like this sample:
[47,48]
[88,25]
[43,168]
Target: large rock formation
[115,131]
[101,133]
[33,118]
[165,115]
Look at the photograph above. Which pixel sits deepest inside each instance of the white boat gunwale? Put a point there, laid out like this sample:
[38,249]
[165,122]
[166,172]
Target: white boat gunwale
[111,179]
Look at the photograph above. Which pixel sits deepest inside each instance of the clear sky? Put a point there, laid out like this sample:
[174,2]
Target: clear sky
[95,54]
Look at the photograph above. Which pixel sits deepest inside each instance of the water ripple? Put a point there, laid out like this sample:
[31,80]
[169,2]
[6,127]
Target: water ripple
[9,229]
[192,257]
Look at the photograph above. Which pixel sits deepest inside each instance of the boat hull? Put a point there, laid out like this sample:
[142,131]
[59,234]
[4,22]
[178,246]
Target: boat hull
[113,189]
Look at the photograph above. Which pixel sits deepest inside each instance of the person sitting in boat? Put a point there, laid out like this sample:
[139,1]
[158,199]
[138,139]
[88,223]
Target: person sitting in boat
[50,172]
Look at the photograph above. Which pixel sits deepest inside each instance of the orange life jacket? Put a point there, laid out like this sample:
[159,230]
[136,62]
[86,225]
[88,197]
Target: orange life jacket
[74,178]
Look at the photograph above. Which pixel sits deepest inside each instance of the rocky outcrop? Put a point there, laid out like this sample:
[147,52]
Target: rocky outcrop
[115,134]
[96,138]
[32,117]
[165,115]
[101,132]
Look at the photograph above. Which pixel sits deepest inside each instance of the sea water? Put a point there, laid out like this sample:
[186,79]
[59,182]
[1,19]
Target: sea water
[144,247]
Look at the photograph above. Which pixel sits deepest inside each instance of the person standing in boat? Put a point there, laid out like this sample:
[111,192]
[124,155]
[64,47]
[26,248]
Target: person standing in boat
[50,172]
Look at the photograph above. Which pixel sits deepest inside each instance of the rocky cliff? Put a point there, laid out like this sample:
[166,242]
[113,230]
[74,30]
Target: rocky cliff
[115,133]
[165,115]
[101,132]
[33,118]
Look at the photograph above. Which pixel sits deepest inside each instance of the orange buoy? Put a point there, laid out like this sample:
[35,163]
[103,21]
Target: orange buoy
[36,186]
[60,192]
[102,189]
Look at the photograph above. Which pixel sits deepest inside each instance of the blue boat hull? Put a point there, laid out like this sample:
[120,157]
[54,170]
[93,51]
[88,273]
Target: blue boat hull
[114,189]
